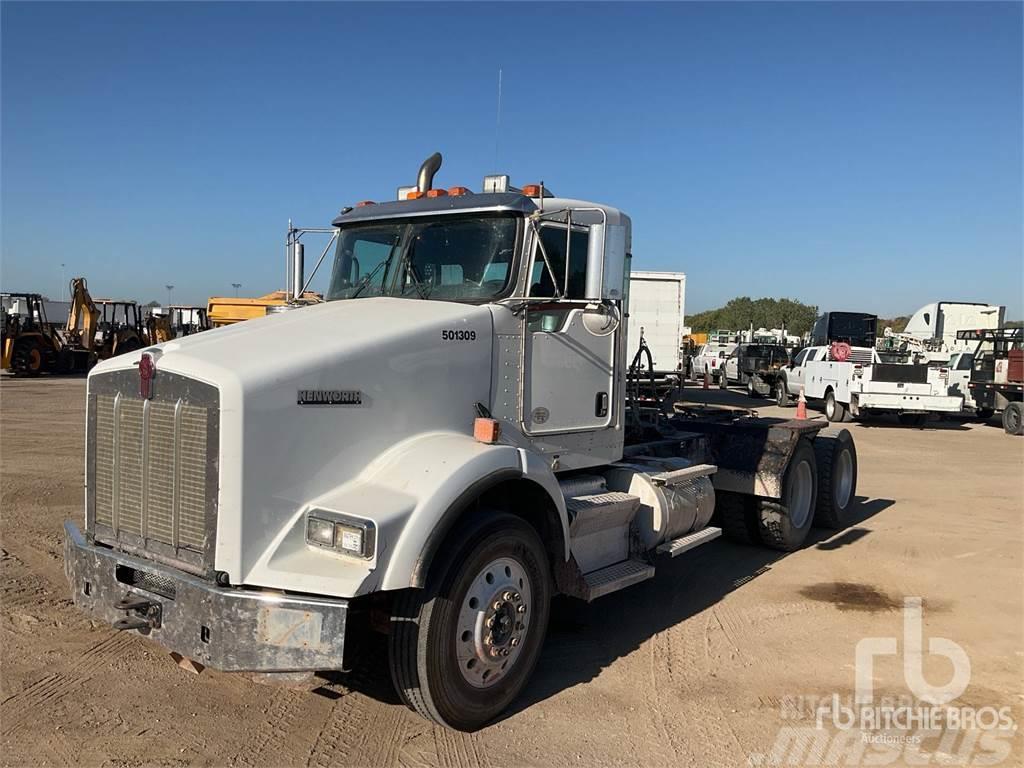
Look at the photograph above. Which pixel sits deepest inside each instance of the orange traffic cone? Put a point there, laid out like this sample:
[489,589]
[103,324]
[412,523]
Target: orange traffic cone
[707,376]
[801,405]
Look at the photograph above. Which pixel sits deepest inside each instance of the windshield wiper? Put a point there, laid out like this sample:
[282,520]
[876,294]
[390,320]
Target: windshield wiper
[365,282]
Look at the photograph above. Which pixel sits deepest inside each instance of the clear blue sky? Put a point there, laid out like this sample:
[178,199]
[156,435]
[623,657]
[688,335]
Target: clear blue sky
[857,156]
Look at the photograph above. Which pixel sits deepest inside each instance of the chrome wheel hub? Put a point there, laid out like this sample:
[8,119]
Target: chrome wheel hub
[799,501]
[494,618]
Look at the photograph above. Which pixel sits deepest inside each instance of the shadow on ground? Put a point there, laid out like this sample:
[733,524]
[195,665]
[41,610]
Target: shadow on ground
[584,638]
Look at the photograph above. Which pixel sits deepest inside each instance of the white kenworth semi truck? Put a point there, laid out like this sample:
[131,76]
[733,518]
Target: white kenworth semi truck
[447,442]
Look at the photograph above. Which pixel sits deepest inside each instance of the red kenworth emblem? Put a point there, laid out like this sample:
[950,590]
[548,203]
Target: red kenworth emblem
[147,369]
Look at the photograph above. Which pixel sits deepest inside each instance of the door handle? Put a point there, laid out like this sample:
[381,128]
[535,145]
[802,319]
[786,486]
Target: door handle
[601,404]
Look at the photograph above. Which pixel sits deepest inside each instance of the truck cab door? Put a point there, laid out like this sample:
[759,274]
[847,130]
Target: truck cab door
[569,378]
[795,376]
[732,365]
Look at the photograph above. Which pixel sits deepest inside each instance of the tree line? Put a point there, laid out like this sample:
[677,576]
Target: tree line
[740,312]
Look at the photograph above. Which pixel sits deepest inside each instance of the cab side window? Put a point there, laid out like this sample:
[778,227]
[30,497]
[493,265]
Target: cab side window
[799,359]
[571,284]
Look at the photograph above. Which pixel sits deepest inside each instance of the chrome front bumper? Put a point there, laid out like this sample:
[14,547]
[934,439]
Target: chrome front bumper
[224,628]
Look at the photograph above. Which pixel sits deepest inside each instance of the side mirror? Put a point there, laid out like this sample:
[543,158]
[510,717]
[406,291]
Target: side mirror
[606,262]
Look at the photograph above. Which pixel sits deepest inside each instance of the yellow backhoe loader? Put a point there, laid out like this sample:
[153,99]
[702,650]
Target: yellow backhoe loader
[180,320]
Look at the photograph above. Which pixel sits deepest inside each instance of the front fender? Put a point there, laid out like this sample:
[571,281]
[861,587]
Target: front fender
[407,492]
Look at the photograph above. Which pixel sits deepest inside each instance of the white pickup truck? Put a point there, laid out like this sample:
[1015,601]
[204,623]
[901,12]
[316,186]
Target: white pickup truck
[710,359]
[861,384]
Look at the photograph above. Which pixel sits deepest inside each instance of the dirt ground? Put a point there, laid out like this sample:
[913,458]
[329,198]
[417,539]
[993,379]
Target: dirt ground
[703,666]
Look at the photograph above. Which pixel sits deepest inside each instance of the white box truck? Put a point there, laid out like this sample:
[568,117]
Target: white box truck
[657,304]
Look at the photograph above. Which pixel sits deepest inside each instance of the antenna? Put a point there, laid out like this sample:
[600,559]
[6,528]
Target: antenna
[497,122]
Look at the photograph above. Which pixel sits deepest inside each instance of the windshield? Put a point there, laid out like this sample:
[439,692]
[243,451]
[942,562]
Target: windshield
[855,328]
[769,351]
[450,257]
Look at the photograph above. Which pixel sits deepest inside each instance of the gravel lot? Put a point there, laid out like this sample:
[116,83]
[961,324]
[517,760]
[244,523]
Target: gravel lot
[698,667]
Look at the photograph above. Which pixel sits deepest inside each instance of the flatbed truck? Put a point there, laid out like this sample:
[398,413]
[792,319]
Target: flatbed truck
[445,443]
[997,374]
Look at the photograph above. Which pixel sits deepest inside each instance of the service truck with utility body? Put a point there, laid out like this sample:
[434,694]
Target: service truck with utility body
[855,381]
[435,451]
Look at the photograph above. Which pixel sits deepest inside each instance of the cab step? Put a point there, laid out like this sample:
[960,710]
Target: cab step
[677,476]
[615,577]
[599,527]
[689,541]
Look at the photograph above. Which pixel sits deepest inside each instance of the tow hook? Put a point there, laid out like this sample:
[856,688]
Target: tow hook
[143,614]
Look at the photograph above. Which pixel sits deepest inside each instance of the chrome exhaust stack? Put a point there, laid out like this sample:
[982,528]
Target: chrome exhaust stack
[425,178]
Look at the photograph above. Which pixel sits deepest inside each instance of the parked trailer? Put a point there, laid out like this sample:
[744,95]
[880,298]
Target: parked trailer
[450,445]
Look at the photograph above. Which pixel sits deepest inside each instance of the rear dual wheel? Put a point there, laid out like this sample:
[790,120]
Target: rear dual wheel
[463,648]
[836,457]
[1013,419]
[777,523]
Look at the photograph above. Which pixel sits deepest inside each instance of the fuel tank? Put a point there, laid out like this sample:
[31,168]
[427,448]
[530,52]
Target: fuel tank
[666,511]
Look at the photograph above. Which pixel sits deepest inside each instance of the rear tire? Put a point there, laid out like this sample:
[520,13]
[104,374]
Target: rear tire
[836,456]
[440,647]
[1013,419]
[784,523]
[834,410]
[913,419]
[735,514]
[781,394]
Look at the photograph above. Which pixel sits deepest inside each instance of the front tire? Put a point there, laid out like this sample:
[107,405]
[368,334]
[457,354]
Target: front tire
[28,358]
[462,649]
[834,410]
[781,395]
[1013,419]
[723,380]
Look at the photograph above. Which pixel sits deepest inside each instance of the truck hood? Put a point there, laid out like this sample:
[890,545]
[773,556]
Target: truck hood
[321,336]
[310,398]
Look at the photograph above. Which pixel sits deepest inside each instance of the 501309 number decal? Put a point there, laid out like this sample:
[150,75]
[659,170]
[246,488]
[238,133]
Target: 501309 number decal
[454,335]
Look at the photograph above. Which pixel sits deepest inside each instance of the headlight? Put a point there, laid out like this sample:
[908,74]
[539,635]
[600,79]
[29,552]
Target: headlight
[320,532]
[345,534]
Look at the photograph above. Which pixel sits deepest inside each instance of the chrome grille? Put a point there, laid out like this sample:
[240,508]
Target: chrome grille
[152,479]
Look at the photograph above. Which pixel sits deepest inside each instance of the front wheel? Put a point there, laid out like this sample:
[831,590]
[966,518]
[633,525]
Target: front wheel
[461,650]
[723,380]
[781,395]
